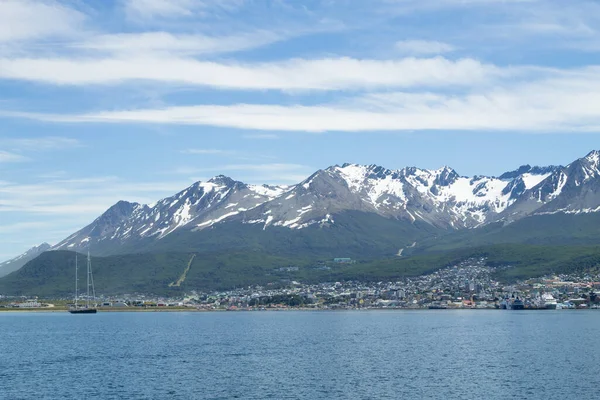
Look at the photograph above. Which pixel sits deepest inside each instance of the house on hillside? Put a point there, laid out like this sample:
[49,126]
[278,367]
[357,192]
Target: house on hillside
[343,260]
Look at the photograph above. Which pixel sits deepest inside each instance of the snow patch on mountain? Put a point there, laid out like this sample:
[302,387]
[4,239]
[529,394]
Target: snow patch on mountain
[569,211]
[361,178]
[532,180]
[270,192]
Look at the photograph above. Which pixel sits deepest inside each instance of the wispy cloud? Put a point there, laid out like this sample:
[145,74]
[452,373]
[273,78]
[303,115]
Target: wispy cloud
[298,74]
[6,157]
[28,19]
[177,44]
[563,101]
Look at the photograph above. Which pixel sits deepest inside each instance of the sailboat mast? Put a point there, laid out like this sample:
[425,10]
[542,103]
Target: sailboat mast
[87,301]
[92,283]
[76,290]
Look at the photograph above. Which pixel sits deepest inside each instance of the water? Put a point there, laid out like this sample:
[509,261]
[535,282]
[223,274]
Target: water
[462,354]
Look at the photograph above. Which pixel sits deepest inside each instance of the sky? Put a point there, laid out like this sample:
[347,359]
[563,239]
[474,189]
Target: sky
[135,100]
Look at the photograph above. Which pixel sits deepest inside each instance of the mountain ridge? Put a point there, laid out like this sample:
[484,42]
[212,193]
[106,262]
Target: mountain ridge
[441,198]
[19,261]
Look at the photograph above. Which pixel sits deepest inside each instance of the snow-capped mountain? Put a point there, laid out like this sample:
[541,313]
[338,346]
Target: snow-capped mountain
[14,264]
[573,189]
[440,198]
[200,205]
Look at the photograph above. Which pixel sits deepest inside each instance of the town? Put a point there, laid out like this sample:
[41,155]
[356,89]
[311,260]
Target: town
[469,284]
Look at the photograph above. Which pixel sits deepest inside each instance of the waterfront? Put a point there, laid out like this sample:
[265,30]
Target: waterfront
[340,354]
[469,284]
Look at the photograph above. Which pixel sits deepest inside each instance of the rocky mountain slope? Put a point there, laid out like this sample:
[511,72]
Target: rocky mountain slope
[573,189]
[200,205]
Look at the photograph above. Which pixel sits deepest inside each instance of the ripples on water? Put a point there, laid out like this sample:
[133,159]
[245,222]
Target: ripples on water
[462,354]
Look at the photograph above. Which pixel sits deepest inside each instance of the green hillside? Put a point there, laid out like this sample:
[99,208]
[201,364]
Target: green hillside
[555,229]
[524,261]
[52,273]
[354,234]
[234,255]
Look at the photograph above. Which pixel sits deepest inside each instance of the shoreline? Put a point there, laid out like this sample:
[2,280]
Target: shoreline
[194,310]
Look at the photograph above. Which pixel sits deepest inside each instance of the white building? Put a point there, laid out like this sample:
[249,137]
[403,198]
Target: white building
[30,304]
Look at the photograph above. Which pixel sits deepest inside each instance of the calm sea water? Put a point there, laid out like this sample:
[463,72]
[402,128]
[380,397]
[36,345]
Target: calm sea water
[442,354]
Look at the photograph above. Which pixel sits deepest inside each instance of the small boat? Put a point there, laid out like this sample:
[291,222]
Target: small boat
[86,308]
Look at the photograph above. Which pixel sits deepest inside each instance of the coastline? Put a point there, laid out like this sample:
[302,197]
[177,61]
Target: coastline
[200,310]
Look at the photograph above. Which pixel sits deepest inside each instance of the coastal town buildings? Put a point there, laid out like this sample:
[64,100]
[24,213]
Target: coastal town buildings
[470,284]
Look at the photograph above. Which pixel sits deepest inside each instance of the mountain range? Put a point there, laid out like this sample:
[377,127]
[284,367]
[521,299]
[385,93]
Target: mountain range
[363,211]
[432,200]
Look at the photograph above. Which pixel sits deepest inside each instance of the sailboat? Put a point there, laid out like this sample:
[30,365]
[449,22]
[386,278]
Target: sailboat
[87,308]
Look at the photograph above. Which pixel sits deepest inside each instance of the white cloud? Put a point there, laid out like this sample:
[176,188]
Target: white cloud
[6,157]
[27,19]
[297,74]
[182,44]
[564,102]
[423,47]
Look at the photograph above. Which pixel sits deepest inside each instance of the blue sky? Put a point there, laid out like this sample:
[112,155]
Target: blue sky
[138,99]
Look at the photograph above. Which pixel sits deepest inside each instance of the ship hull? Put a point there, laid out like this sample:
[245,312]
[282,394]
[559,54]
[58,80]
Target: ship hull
[84,311]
